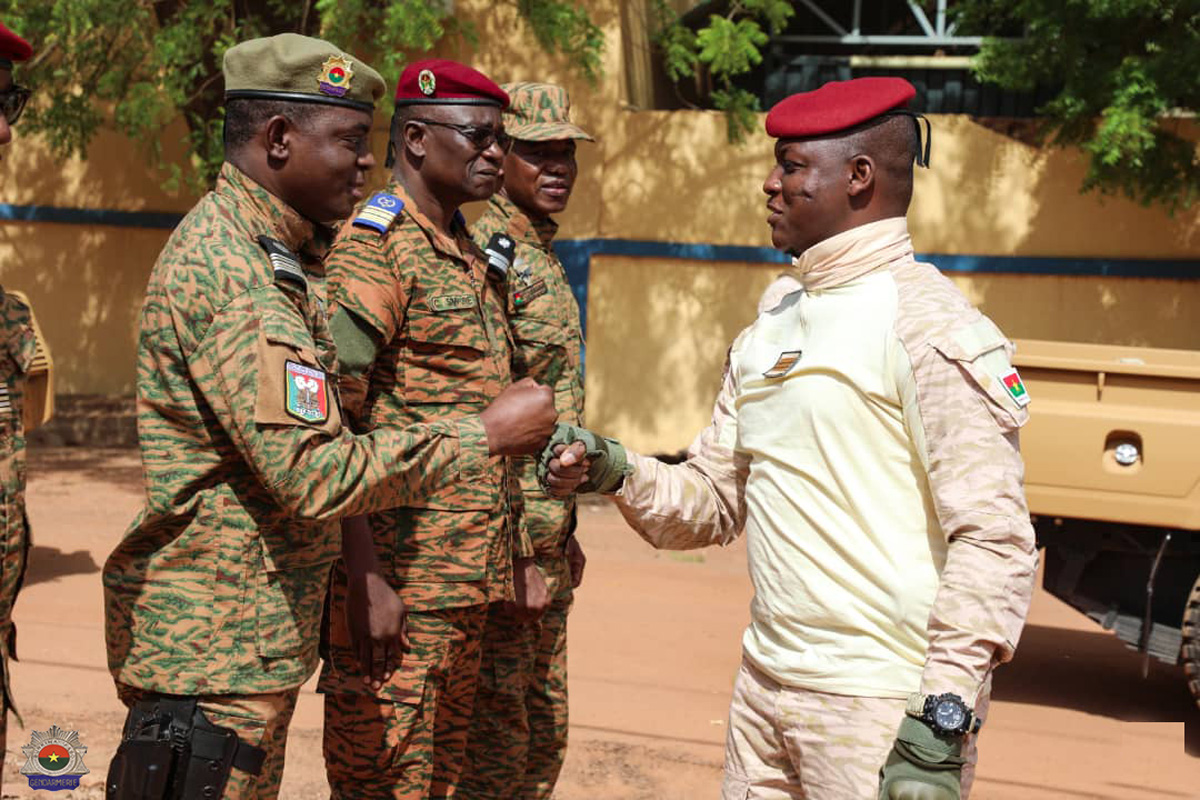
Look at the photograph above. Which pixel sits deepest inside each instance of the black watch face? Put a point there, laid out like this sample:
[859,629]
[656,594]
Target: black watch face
[949,715]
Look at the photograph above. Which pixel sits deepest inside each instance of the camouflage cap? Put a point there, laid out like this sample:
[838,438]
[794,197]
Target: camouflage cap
[301,69]
[540,112]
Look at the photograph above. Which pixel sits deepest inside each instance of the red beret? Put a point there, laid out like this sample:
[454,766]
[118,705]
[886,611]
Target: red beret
[441,81]
[836,106]
[13,47]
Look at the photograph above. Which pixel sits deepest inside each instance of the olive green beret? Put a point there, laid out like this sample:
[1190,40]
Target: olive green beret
[301,69]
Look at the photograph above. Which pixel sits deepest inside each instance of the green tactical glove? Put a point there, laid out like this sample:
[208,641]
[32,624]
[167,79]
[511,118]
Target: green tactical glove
[922,765]
[608,463]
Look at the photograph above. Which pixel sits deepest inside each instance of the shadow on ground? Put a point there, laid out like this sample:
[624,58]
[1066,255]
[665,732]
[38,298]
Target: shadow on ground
[50,563]
[1095,673]
[111,465]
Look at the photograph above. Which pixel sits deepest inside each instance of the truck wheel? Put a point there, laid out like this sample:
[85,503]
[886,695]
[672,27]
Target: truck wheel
[1191,641]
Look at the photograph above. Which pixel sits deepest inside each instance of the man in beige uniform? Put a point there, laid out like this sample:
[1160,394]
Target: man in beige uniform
[865,437]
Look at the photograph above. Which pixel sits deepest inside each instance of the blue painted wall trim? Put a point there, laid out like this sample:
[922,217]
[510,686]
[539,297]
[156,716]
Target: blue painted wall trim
[576,255]
[90,216]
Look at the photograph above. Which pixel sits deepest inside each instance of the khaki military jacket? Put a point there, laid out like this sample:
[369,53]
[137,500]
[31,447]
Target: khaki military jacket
[219,584]
[548,347]
[438,318]
[865,438]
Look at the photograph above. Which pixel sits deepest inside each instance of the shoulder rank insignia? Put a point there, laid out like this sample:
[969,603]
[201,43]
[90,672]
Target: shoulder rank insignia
[379,212]
[285,263]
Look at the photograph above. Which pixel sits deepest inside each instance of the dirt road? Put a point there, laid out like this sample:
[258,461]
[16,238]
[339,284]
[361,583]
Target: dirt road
[654,647]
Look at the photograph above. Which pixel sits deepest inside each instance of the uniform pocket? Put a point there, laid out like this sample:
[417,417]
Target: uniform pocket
[294,388]
[434,545]
[444,357]
[985,356]
[288,608]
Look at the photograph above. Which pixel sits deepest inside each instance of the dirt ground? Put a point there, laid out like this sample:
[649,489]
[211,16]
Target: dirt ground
[654,648]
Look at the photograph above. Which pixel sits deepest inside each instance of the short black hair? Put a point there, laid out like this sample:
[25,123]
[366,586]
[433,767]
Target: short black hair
[893,141]
[244,116]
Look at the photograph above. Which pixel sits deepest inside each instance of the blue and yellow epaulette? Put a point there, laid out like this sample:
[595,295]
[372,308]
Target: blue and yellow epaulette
[380,212]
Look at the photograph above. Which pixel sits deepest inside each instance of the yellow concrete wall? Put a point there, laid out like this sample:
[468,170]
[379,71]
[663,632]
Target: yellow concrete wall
[658,328]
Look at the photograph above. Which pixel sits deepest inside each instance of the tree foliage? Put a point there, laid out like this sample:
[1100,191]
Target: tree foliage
[137,65]
[729,45]
[1129,72]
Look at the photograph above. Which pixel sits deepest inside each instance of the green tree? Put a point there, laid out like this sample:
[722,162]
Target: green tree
[1129,72]
[137,65]
[729,45]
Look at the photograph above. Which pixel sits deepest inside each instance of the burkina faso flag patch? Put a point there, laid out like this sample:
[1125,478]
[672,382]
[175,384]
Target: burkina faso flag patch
[1015,387]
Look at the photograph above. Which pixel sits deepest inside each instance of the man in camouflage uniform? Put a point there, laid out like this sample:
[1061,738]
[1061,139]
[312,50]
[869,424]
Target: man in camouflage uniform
[422,336]
[16,357]
[519,728]
[865,437]
[215,595]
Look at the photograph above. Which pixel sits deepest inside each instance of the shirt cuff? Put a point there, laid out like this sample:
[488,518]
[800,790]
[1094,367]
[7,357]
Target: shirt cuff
[472,446]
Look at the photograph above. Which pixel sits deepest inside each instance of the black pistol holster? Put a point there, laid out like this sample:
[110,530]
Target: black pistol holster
[170,751]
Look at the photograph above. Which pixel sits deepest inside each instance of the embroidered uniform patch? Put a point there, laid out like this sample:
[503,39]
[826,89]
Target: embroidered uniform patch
[1015,388]
[787,360]
[527,294]
[451,302]
[307,399]
[379,212]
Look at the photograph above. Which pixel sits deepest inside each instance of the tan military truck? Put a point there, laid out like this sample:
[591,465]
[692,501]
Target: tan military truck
[1112,473]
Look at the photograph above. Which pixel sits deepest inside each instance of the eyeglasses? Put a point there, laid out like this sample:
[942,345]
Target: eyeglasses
[481,138]
[12,102]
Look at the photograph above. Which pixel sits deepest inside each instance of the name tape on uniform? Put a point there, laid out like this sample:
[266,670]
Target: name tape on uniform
[451,302]
[527,294]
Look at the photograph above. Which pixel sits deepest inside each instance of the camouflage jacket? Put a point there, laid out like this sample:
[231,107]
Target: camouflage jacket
[443,352]
[16,356]
[219,584]
[548,342]
[866,438]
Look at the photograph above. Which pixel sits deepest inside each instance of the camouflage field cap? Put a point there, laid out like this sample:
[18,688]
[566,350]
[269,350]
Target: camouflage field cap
[540,112]
[301,69]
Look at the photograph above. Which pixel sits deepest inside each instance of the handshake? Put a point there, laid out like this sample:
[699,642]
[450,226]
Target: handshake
[522,421]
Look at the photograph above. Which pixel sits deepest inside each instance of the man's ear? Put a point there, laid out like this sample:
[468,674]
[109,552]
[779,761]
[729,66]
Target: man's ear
[412,138]
[278,133]
[862,175]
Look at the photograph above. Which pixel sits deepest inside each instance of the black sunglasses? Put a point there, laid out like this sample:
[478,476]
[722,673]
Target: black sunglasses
[12,102]
[481,138]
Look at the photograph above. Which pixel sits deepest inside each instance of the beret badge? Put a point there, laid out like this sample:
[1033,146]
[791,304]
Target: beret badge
[335,76]
[426,82]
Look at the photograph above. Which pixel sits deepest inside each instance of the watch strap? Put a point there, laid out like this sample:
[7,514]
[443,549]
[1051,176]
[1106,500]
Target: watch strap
[916,705]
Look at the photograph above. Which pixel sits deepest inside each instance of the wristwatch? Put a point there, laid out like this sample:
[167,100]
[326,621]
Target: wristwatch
[946,714]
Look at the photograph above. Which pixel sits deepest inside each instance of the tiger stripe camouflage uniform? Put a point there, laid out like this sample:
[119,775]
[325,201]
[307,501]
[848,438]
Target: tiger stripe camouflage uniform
[444,352]
[16,357]
[519,729]
[217,589]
